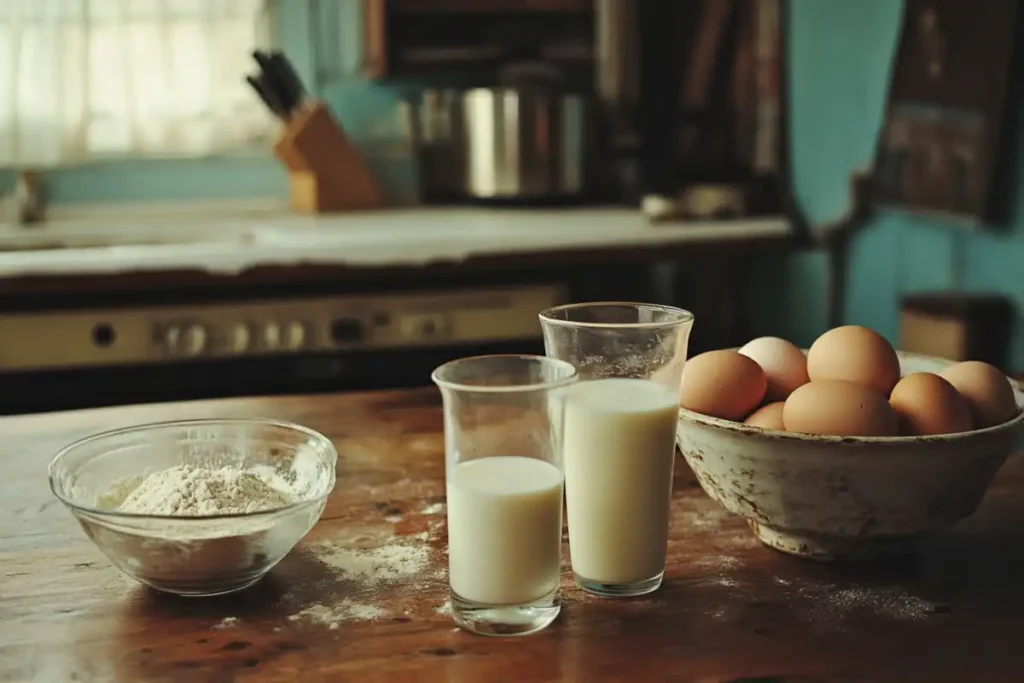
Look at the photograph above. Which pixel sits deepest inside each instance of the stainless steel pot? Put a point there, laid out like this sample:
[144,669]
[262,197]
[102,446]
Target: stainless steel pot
[524,143]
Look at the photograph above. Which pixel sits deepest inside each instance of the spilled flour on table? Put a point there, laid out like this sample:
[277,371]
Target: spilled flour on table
[332,617]
[226,623]
[828,606]
[717,563]
[387,563]
[893,603]
[826,602]
[725,581]
[375,574]
[704,517]
[433,509]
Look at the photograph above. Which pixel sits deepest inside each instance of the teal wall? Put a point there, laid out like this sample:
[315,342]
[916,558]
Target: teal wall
[840,54]
[840,51]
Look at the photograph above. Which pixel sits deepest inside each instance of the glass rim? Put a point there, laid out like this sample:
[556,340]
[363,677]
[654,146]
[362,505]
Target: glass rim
[506,388]
[683,316]
[312,434]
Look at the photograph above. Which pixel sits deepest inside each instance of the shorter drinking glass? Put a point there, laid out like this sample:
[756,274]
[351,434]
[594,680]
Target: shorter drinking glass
[503,465]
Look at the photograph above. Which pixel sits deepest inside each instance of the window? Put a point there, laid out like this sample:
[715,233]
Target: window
[88,79]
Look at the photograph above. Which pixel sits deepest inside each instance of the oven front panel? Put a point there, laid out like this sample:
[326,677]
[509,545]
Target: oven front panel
[113,337]
[65,359]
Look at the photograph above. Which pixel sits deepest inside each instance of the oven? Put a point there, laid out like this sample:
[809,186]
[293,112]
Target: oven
[88,355]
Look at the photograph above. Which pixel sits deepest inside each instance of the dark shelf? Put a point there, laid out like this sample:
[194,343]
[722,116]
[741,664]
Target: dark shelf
[420,7]
[414,45]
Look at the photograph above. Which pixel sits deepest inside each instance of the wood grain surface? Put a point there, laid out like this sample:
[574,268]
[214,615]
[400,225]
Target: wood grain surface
[730,609]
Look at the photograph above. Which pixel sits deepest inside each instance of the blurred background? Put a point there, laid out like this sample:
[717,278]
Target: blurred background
[203,198]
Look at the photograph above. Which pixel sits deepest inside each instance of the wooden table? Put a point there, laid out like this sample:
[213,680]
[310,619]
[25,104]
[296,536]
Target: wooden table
[730,610]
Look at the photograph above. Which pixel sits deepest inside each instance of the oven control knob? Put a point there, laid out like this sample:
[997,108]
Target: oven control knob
[238,338]
[193,340]
[172,339]
[294,336]
[271,336]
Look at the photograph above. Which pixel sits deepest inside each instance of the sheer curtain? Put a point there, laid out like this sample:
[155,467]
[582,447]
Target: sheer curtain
[88,79]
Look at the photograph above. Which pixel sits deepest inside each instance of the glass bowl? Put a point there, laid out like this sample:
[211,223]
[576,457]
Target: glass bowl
[199,555]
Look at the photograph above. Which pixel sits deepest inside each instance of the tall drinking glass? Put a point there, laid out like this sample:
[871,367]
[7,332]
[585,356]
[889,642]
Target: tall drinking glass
[503,465]
[620,435]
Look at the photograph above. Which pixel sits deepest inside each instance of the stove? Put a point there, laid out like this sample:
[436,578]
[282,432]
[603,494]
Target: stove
[84,357]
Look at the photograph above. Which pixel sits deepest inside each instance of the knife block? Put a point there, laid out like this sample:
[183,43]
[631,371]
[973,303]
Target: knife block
[325,172]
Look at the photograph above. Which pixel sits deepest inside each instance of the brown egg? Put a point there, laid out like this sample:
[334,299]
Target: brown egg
[767,417]
[722,384]
[784,365]
[928,404]
[839,408]
[987,391]
[855,354]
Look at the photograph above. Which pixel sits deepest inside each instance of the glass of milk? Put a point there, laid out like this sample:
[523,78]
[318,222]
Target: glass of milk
[619,437]
[503,465]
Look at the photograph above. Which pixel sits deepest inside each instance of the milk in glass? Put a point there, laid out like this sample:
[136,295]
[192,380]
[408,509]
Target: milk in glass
[619,451]
[504,529]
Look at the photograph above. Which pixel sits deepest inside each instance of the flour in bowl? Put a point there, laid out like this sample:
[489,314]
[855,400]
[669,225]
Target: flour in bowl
[188,491]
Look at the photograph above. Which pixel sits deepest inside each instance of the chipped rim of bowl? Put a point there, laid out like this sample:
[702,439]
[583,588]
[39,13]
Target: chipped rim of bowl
[779,435]
[328,449]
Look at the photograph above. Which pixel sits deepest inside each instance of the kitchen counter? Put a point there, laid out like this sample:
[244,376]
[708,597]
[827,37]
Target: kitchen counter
[221,248]
[730,609]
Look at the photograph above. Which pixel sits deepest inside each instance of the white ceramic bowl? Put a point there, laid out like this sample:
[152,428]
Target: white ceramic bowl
[198,555]
[836,498]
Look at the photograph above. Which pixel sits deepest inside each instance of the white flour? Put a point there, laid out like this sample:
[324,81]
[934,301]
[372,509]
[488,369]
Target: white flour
[887,602]
[188,491]
[387,563]
[434,509]
[828,605]
[716,563]
[332,617]
[226,623]
[382,576]
[216,550]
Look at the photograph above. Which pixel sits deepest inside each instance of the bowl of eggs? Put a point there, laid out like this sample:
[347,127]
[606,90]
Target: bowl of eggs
[849,450]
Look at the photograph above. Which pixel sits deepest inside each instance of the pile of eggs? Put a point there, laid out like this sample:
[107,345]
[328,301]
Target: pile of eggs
[847,384]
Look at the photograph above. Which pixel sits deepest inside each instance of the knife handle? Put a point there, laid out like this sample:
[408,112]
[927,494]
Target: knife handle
[273,82]
[268,96]
[287,71]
